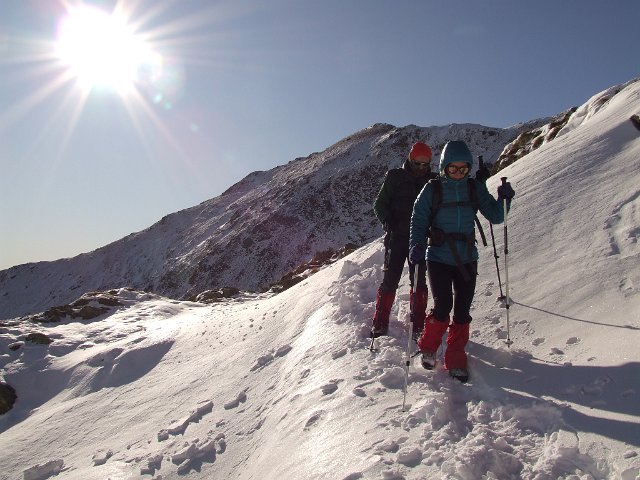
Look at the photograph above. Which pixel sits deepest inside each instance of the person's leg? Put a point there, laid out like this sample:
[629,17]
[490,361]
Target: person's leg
[464,291]
[398,250]
[436,323]
[441,278]
[455,355]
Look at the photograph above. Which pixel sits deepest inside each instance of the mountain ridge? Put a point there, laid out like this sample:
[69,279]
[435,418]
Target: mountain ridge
[256,231]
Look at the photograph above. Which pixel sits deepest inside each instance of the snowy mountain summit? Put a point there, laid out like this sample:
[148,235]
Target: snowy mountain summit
[283,386]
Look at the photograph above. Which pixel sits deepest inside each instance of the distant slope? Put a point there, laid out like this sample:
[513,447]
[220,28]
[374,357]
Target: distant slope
[253,233]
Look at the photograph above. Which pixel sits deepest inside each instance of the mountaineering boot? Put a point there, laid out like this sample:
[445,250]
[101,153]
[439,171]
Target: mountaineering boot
[418,305]
[461,374]
[384,301]
[431,338]
[428,360]
[455,358]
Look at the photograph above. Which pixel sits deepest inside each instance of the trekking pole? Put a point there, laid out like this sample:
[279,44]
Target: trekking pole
[496,256]
[506,264]
[493,239]
[407,362]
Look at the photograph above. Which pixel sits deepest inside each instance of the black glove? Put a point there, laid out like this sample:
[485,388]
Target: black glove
[505,191]
[416,254]
[482,174]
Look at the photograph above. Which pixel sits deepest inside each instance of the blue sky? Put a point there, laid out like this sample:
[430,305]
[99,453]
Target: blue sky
[248,85]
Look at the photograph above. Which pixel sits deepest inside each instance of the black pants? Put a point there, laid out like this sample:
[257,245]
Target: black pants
[398,255]
[441,279]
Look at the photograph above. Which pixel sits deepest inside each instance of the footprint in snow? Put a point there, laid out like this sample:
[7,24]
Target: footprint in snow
[354,476]
[573,340]
[178,427]
[191,455]
[330,387]
[313,419]
[410,457]
[101,457]
[266,359]
[538,341]
[393,377]
[339,353]
[241,398]
[154,462]
[359,392]
[42,471]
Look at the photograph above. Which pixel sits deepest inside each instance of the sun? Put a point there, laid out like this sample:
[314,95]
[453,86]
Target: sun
[100,50]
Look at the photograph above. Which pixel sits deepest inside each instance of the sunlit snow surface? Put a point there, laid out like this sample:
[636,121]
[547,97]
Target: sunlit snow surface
[274,387]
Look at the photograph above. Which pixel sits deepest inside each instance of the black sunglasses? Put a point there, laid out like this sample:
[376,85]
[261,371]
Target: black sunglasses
[420,164]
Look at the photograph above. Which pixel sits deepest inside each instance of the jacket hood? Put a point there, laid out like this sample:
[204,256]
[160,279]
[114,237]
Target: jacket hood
[455,151]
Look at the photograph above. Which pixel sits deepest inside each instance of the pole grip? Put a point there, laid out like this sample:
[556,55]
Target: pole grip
[480,161]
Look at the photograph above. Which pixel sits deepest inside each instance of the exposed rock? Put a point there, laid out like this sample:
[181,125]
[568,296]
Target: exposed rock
[38,338]
[8,397]
[88,306]
[307,269]
[212,296]
[531,140]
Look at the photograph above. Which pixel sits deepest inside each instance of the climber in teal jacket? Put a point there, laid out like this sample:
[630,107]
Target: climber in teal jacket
[448,242]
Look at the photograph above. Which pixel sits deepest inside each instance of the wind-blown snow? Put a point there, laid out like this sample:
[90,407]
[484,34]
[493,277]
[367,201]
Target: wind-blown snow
[271,387]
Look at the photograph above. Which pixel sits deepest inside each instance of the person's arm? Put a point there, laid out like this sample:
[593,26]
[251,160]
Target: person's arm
[420,218]
[491,209]
[382,205]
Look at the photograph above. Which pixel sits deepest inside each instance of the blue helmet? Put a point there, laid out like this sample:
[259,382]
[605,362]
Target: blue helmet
[455,151]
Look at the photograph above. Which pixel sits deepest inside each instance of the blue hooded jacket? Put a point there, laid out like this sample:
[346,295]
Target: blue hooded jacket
[454,218]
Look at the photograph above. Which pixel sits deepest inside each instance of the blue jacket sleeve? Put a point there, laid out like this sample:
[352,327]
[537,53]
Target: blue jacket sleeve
[491,209]
[420,217]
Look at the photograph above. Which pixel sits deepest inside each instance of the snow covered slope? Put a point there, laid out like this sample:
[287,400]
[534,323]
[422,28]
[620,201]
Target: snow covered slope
[271,387]
[255,232]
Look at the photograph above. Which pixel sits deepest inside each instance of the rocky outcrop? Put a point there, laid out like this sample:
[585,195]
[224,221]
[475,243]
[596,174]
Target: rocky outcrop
[8,397]
[88,306]
[213,296]
[531,140]
[307,269]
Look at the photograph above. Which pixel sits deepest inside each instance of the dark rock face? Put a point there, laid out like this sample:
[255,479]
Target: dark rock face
[531,140]
[8,397]
[87,307]
[38,338]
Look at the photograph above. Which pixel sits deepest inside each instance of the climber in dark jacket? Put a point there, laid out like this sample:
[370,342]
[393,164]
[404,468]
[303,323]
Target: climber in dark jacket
[393,207]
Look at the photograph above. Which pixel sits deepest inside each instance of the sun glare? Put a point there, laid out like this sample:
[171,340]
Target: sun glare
[101,50]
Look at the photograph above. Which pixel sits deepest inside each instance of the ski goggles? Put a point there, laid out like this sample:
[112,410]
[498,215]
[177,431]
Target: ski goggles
[451,169]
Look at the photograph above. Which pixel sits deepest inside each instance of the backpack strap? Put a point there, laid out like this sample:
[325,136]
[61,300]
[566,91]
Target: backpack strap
[473,198]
